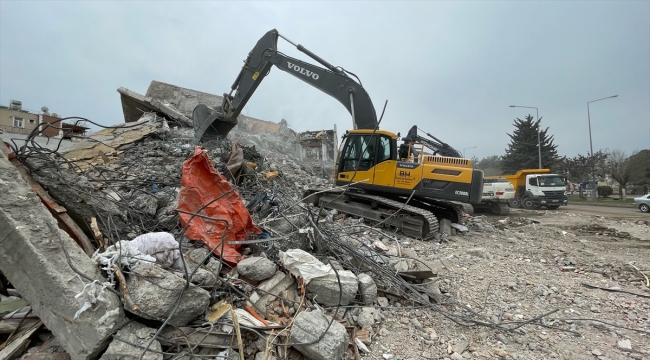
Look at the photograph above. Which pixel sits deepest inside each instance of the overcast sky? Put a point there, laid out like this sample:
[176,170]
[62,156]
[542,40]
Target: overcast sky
[452,68]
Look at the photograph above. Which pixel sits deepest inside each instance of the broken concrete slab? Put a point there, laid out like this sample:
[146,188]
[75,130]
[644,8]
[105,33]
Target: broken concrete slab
[367,289]
[309,326]
[256,268]
[326,290]
[135,105]
[134,333]
[34,257]
[156,292]
[107,141]
[270,289]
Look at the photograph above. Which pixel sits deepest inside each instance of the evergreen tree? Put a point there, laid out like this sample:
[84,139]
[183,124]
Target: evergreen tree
[522,150]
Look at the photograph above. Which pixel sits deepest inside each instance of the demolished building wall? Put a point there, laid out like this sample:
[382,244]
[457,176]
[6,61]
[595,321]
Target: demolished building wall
[50,271]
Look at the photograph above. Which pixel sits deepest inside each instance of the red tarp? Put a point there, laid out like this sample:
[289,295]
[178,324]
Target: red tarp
[201,184]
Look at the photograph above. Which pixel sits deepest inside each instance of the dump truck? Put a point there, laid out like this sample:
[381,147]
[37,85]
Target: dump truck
[497,194]
[535,188]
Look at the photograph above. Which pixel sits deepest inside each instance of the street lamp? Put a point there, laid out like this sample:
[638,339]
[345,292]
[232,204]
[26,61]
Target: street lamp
[473,147]
[589,120]
[539,144]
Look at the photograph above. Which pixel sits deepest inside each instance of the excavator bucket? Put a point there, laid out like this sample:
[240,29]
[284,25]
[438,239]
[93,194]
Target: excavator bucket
[210,122]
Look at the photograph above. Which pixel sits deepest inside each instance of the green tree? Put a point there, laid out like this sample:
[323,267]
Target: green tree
[522,151]
[491,165]
[583,168]
[641,169]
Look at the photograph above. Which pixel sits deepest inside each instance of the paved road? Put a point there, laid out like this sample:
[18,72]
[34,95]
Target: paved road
[610,211]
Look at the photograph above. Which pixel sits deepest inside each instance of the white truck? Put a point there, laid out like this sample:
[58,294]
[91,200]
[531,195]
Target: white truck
[497,193]
[535,188]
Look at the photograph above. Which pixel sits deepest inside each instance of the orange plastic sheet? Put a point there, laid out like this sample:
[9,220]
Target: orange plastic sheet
[201,184]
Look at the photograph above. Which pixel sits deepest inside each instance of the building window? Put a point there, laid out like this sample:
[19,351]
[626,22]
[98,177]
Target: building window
[31,121]
[18,122]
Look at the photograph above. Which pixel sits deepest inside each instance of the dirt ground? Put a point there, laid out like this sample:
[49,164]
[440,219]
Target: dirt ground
[526,265]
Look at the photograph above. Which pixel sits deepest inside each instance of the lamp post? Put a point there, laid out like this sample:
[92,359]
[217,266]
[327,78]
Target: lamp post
[473,147]
[539,144]
[591,149]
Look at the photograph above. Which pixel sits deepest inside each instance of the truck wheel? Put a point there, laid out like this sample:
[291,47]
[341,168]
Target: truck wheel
[552,207]
[528,203]
[644,208]
[500,209]
[514,203]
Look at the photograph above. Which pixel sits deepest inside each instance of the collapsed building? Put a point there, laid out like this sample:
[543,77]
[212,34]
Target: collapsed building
[140,243]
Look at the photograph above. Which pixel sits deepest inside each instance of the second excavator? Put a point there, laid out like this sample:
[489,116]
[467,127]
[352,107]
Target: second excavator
[410,186]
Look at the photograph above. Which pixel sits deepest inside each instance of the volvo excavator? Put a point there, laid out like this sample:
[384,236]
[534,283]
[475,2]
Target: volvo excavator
[409,186]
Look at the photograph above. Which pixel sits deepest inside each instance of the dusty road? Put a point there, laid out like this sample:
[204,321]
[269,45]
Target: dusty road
[609,211]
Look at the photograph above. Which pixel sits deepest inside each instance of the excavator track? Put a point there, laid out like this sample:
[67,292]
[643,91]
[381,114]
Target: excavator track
[411,220]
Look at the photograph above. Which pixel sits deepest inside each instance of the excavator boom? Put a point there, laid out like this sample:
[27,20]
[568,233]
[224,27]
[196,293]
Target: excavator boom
[332,80]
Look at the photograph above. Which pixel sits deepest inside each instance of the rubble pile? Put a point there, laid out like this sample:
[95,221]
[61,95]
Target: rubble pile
[209,251]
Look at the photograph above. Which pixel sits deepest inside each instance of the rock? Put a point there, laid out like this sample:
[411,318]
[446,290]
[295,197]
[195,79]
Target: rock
[624,345]
[456,356]
[595,309]
[366,317]
[596,352]
[204,278]
[256,268]
[156,291]
[326,290]
[387,356]
[461,346]
[309,325]
[445,226]
[499,352]
[479,252]
[382,301]
[432,288]
[260,356]
[416,323]
[137,334]
[367,289]
[384,332]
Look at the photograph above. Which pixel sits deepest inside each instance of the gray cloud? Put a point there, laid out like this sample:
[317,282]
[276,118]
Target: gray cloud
[450,67]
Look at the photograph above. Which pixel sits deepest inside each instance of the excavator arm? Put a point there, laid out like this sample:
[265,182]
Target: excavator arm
[332,80]
[437,146]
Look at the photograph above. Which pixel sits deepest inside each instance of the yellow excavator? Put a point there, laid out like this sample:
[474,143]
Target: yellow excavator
[411,186]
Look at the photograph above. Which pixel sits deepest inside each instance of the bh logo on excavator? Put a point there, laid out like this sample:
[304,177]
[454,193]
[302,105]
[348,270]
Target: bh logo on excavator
[302,71]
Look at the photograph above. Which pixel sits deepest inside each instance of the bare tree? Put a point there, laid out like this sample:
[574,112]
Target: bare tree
[620,169]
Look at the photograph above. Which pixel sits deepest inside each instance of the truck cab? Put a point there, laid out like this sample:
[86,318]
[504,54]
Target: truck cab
[547,190]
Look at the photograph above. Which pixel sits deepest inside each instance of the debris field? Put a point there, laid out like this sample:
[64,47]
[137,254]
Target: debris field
[140,243]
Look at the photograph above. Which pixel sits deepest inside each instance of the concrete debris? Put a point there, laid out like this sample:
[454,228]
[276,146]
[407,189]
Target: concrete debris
[156,292]
[336,288]
[324,337]
[256,268]
[35,256]
[270,289]
[129,343]
[367,289]
[307,272]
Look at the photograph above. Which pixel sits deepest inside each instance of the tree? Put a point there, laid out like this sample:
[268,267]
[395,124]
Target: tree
[640,163]
[583,168]
[522,151]
[620,168]
[491,165]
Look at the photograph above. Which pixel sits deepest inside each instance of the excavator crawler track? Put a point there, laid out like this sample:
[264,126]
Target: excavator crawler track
[411,220]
